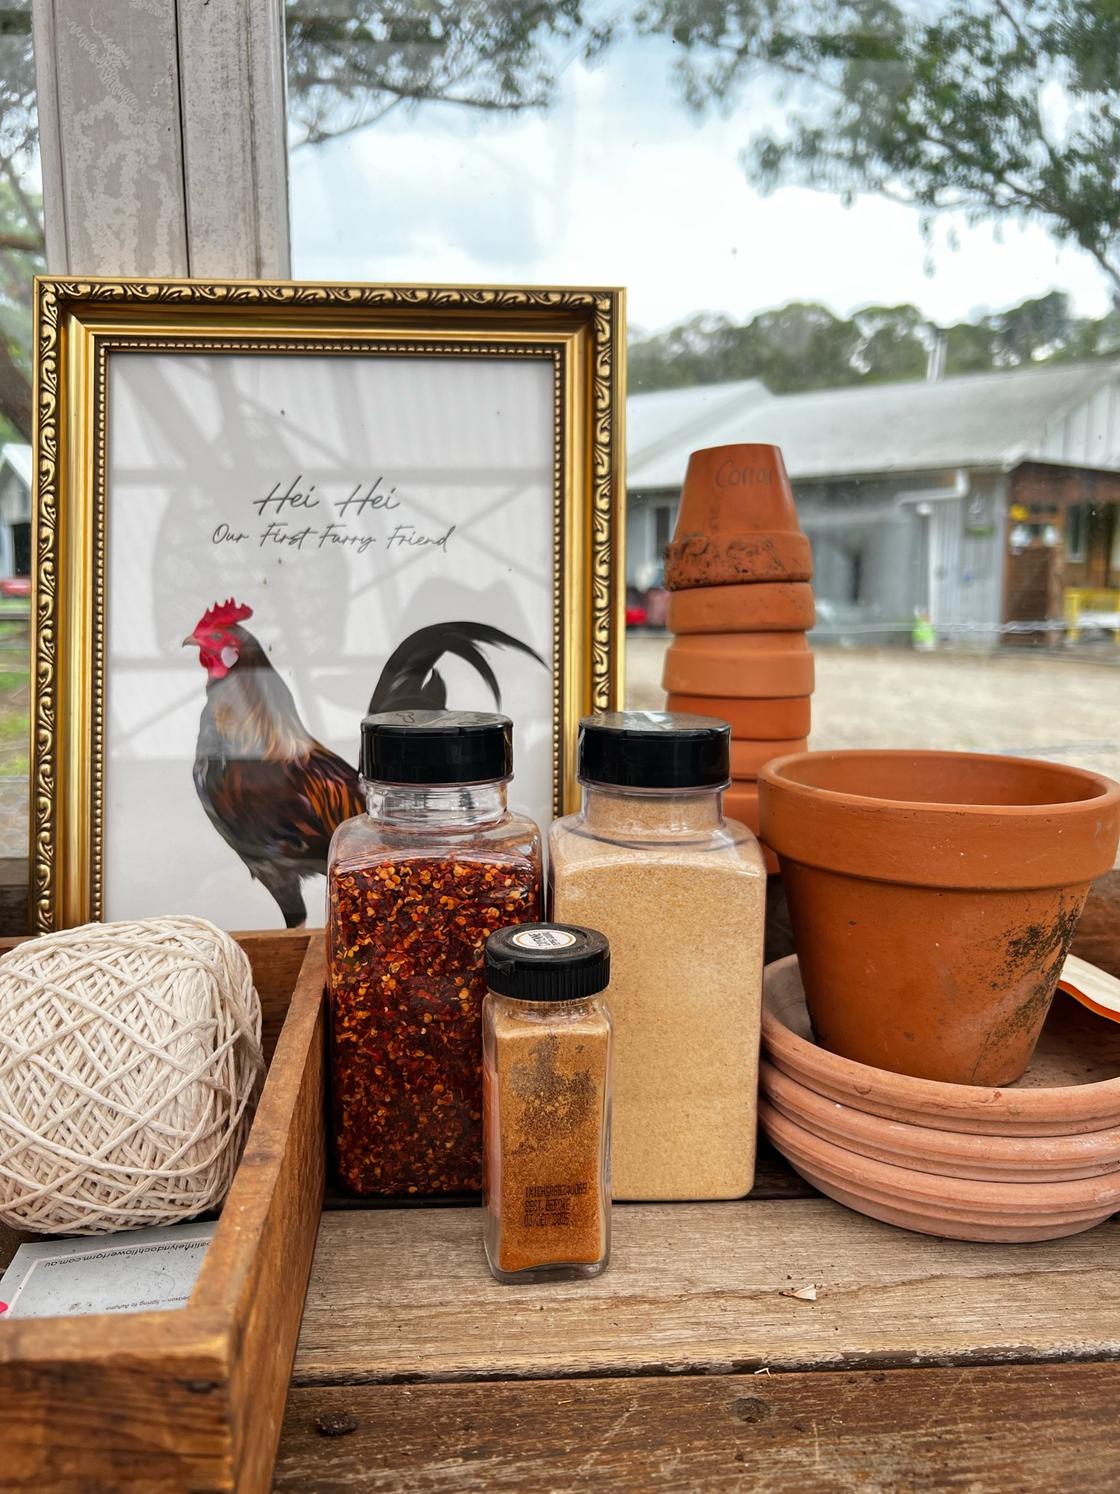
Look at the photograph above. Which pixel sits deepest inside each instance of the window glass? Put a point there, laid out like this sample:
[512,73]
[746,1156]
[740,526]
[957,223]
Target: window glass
[21,258]
[882,235]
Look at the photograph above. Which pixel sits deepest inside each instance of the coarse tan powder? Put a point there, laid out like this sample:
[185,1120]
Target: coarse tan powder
[545,1108]
[682,902]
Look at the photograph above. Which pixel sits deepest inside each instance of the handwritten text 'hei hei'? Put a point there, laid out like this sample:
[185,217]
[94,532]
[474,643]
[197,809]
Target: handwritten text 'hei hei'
[299,517]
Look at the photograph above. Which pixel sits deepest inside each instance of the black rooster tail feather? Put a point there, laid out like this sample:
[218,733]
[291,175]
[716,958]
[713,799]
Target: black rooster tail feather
[410,680]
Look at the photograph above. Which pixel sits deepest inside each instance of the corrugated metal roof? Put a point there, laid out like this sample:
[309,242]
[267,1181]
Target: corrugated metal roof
[1064,412]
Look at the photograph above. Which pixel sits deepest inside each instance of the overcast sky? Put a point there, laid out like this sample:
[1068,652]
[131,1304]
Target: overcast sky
[618,185]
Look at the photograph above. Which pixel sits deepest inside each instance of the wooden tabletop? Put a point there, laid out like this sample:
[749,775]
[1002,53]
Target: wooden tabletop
[921,1363]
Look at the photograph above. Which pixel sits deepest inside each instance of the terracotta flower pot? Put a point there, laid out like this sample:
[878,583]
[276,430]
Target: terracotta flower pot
[739,665]
[1072,1085]
[734,490]
[758,719]
[770,607]
[740,802]
[704,560]
[743,807]
[748,758]
[933,897]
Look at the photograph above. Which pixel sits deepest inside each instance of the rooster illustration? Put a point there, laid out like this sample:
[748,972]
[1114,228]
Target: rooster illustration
[273,793]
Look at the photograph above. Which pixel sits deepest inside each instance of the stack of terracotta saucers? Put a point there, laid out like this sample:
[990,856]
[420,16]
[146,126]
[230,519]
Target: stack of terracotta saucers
[1033,1160]
[738,570]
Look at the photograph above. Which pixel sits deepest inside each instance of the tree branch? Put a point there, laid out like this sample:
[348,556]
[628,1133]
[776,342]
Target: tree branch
[15,392]
[31,242]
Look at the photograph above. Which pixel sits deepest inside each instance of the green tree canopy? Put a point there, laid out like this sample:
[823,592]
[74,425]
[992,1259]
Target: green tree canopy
[996,107]
[806,346]
[350,65]
[21,222]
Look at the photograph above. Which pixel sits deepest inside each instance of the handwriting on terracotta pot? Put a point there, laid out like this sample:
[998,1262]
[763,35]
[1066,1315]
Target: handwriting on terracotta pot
[731,475]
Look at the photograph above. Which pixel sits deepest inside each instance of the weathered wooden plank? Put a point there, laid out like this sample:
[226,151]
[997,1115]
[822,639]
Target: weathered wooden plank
[979,1429]
[277,957]
[110,140]
[163,137]
[231,65]
[257,1267]
[399,1294]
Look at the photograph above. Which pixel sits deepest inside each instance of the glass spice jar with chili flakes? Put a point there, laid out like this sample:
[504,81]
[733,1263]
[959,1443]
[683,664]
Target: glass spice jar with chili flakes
[415,887]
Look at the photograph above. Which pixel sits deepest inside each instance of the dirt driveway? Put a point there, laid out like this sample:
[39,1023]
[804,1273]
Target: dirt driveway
[1058,707]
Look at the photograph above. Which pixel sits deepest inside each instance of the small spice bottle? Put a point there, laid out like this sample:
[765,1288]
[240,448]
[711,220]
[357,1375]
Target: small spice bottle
[415,887]
[546,1036]
[680,892]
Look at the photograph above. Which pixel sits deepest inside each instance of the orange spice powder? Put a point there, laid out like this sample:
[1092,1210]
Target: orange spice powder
[546,1109]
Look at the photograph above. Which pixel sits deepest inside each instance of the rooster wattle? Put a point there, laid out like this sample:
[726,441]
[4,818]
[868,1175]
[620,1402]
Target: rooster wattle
[273,793]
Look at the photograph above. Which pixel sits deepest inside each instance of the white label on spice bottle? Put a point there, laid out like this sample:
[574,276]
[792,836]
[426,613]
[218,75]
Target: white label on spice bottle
[543,939]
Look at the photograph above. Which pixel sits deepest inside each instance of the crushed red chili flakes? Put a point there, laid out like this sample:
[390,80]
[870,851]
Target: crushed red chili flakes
[406,988]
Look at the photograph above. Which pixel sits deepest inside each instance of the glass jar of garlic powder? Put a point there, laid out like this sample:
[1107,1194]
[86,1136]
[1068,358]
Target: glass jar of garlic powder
[680,892]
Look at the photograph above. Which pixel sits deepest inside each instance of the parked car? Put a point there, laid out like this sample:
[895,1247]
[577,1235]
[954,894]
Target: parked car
[648,608]
[635,608]
[15,586]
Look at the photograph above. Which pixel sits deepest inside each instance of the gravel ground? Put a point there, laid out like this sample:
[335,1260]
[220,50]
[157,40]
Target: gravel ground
[1066,709]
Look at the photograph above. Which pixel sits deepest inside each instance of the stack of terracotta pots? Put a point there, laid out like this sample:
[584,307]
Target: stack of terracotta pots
[933,897]
[738,570]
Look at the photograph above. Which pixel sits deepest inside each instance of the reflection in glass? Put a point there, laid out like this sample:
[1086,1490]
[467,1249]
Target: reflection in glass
[21,258]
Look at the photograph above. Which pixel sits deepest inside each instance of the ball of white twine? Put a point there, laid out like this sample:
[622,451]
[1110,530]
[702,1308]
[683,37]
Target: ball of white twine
[130,1059]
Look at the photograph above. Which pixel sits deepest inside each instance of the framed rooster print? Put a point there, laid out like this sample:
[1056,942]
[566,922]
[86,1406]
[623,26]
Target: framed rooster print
[263,510]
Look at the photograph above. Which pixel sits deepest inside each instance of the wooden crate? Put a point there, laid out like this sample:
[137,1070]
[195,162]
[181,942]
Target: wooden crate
[194,1398]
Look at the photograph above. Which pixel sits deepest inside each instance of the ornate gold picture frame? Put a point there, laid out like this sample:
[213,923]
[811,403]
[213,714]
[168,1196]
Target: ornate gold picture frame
[167,415]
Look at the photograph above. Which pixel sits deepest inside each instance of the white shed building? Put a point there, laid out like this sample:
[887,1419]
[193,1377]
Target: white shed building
[15,509]
[974,499]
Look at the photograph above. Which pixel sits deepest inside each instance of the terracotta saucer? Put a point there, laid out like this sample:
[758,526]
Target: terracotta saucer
[766,665]
[1005,1159]
[753,720]
[954,1208]
[771,607]
[1072,1083]
[748,757]
[703,560]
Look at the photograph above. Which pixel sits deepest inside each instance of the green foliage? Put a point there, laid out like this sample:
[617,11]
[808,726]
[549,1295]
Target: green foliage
[997,107]
[349,65]
[21,221]
[800,346]
[805,346]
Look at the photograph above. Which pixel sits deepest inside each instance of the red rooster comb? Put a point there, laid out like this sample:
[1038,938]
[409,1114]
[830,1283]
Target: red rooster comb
[224,615]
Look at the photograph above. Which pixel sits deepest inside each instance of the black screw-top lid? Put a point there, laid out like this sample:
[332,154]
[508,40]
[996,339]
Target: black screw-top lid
[654,750]
[432,747]
[547,962]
